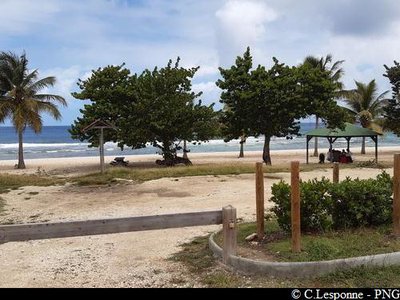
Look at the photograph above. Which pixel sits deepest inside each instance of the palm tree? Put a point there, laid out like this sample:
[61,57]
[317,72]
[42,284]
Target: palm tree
[367,106]
[20,99]
[335,72]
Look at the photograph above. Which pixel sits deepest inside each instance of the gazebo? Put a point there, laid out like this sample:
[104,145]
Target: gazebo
[100,124]
[348,133]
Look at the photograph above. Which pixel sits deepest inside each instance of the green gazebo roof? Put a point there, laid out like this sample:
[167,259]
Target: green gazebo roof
[349,131]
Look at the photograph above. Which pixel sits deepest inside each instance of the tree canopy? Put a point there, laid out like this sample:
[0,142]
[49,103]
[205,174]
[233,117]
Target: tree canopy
[270,102]
[392,110]
[335,72]
[156,107]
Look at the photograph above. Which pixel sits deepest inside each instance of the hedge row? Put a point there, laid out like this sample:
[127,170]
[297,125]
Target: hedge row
[348,204]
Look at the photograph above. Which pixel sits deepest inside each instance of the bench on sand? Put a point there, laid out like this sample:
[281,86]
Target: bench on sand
[119,161]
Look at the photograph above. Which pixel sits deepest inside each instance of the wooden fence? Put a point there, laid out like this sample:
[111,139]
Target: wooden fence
[38,231]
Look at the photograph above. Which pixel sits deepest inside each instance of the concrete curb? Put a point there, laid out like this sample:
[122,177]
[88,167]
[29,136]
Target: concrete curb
[303,269]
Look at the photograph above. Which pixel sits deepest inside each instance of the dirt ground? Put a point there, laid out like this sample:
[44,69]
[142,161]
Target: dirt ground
[130,259]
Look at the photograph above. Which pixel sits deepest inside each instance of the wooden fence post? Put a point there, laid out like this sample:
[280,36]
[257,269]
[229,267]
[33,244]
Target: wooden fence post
[260,200]
[396,195]
[336,172]
[229,232]
[295,210]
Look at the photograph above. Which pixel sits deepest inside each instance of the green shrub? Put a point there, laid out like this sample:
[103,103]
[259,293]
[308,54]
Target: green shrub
[359,203]
[315,205]
[348,204]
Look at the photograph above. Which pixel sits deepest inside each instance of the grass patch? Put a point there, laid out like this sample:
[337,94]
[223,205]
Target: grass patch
[13,182]
[140,175]
[327,246]
[336,245]
[197,257]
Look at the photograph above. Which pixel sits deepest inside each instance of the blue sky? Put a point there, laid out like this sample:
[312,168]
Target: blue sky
[69,38]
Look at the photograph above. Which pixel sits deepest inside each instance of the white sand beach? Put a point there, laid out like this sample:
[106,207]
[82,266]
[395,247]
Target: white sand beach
[82,165]
[131,259]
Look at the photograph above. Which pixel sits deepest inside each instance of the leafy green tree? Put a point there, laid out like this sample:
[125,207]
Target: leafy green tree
[367,106]
[235,94]
[170,110]
[113,92]
[335,73]
[20,99]
[392,110]
[157,107]
[269,102]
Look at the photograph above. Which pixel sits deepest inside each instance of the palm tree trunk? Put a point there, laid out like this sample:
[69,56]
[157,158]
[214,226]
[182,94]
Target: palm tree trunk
[242,141]
[21,163]
[266,151]
[316,139]
[363,146]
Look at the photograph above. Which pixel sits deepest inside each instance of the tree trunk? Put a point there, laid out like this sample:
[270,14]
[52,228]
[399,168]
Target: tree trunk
[363,146]
[21,163]
[266,151]
[316,139]
[185,151]
[242,142]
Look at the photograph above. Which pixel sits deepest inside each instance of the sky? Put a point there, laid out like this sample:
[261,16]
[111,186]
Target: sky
[69,38]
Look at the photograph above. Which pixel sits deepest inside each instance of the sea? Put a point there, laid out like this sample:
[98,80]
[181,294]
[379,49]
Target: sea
[56,142]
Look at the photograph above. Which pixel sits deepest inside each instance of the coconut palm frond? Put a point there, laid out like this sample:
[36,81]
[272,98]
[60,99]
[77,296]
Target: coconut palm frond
[20,99]
[336,65]
[35,122]
[312,61]
[49,108]
[368,105]
[42,83]
[31,77]
[50,98]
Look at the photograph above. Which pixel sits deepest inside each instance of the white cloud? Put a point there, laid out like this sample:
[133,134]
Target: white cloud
[242,24]
[365,55]
[65,85]
[211,93]
[67,38]
[66,80]
[244,21]
[22,16]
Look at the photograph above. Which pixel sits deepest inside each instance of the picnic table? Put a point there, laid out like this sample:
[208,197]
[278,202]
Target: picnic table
[119,161]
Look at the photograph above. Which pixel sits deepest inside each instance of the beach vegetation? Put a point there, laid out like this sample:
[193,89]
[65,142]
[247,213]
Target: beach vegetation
[333,244]
[13,182]
[141,175]
[235,95]
[135,174]
[336,72]
[155,108]
[367,106]
[21,100]
[270,101]
[200,263]
[348,204]
[392,110]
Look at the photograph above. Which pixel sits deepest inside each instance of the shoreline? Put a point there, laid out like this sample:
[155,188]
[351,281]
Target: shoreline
[84,165]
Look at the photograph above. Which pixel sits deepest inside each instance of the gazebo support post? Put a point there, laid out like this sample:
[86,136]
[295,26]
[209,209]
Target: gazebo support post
[375,138]
[348,143]
[99,124]
[308,141]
